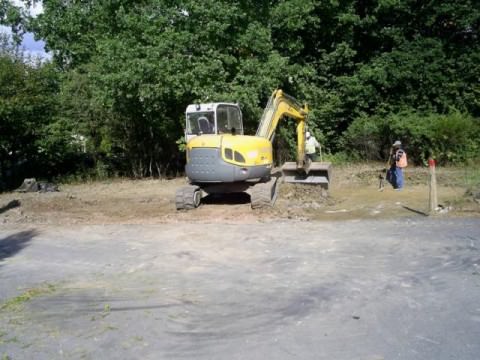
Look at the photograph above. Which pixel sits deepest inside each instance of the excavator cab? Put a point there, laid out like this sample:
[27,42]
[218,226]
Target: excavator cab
[213,119]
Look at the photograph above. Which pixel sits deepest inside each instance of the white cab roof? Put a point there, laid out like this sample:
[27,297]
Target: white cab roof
[206,107]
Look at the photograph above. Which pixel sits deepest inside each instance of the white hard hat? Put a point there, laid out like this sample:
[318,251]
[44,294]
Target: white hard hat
[397,143]
[307,134]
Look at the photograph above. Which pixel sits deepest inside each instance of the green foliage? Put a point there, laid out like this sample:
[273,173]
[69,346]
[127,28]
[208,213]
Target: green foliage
[450,138]
[365,138]
[340,158]
[34,141]
[182,144]
[14,17]
[149,61]
[285,144]
[124,71]
[379,57]
[18,302]
[471,176]
[428,80]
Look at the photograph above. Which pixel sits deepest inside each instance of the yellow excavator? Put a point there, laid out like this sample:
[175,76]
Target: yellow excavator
[221,159]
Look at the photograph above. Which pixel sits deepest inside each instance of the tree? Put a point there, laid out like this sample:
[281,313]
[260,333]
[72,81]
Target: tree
[129,68]
[14,17]
[145,61]
[33,142]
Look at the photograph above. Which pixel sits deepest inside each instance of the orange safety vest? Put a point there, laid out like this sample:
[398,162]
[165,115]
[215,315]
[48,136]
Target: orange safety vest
[401,159]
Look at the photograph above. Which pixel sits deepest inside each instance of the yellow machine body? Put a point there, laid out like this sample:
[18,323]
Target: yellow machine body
[228,158]
[253,150]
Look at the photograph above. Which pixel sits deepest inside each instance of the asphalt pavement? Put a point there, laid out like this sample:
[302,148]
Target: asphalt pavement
[386,289]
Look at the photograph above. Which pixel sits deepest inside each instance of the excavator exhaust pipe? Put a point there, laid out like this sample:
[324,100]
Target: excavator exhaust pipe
[317,173]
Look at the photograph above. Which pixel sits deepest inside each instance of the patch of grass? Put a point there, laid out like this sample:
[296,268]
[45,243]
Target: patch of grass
[11,340]
[472,177]
[106,310]
[17,302]
[5,340]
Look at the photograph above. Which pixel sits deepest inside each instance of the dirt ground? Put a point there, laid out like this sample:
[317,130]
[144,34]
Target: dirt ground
[353,195]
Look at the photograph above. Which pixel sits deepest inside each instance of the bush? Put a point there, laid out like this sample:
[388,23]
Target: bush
[450,139]
[364,138]
[339,158]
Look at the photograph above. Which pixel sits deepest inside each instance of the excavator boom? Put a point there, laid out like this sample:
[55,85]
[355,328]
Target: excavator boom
[280,105]
[303,171]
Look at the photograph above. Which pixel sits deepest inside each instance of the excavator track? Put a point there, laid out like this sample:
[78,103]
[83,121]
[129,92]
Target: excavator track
[188,197]
[264,195]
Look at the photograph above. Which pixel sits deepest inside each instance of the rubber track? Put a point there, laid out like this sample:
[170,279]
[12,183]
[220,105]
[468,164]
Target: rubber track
[264,194]
[184,197]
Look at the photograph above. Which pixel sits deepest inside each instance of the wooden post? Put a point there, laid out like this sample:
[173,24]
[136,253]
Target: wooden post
[433,186]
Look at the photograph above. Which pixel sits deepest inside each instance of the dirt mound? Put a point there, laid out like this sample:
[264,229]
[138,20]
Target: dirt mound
[299,192]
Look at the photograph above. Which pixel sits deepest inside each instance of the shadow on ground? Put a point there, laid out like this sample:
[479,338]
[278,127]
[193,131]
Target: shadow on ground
[419,212]
[14,243]
[227,199]
[11,205]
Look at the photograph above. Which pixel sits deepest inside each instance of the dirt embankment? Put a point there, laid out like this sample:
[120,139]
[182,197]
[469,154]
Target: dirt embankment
[353,195]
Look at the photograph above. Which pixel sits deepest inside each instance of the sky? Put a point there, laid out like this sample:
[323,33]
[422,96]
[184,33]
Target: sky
[30,45]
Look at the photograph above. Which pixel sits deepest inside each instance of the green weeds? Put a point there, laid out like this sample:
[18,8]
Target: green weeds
[18,302]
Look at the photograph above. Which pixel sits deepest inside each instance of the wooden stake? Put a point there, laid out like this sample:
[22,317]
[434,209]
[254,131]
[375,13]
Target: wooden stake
[433,186]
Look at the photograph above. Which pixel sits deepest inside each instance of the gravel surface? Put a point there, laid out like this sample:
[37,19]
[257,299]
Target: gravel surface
[376,289]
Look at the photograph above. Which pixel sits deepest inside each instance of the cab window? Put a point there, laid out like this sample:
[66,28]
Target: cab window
[235,119]
[200,123]
[228,118]
[222,120]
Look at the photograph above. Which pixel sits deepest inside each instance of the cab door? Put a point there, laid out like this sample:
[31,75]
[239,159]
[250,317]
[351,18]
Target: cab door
[229,119]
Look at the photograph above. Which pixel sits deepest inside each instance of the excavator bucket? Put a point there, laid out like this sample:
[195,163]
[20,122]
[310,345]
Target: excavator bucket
[318,173]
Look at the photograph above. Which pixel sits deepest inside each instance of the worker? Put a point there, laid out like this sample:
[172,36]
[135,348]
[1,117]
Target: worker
[398,160]
[311,144]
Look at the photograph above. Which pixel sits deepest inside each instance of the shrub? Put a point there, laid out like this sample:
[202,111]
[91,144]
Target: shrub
[450,139]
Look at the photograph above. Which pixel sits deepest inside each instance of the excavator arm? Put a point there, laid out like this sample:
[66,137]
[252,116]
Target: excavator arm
[280,105]
[303,171]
